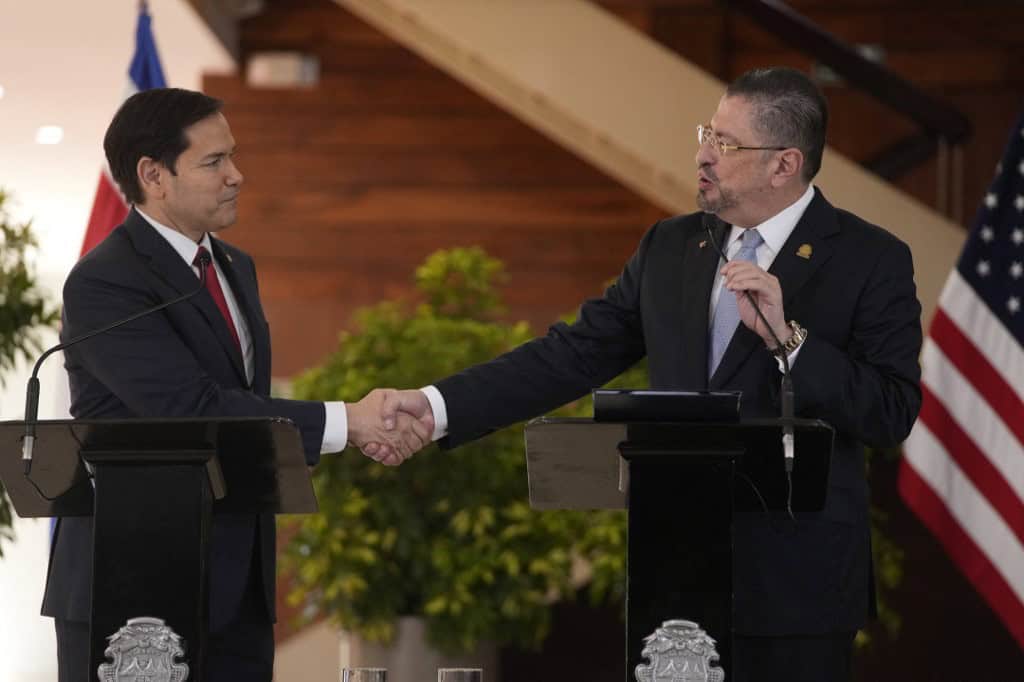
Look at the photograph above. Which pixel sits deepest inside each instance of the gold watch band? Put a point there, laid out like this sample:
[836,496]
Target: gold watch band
[793,342]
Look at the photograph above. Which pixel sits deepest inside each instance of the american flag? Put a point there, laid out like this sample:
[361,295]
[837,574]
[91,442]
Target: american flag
[144,72]
[963,467]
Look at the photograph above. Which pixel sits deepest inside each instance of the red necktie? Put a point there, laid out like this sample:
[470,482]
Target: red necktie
[213,286]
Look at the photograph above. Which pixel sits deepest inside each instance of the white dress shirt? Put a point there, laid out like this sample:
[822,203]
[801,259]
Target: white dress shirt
[774,231]
[336,419]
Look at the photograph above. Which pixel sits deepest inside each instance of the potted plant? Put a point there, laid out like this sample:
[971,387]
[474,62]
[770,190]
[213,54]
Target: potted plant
[448,537]
[23,309]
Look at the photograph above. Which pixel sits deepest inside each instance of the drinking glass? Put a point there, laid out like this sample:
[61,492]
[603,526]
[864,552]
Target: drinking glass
[364,675]
[460,675]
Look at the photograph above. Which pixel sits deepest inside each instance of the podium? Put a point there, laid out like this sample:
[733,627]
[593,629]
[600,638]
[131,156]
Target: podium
[152,487]
[682,483]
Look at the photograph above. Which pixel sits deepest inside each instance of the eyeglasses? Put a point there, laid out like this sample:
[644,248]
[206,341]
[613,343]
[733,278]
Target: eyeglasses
[706,135]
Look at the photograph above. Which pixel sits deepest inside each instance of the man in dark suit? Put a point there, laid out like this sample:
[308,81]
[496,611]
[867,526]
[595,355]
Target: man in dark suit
[838,293]
[171,152]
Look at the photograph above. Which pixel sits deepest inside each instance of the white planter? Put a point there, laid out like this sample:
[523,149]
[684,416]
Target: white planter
[409,658]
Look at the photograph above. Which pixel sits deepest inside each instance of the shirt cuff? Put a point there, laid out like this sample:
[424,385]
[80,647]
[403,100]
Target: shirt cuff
[791,357]
[440,410]
[335,427]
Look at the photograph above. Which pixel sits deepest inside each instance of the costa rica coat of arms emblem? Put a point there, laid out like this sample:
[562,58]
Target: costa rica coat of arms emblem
[679,651]
[144,650]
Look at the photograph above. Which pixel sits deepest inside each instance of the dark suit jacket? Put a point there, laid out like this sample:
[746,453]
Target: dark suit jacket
[180,362]
[858,370]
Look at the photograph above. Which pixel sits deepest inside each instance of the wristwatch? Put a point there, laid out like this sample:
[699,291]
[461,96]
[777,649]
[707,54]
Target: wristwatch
[793,342]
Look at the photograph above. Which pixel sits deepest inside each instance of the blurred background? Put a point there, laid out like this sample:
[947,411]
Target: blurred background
[551,134]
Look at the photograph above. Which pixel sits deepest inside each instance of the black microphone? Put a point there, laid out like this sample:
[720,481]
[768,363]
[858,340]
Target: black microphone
[32,391]
[709,221]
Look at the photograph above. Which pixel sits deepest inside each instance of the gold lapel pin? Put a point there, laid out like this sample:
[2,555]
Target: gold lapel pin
[703,243]
[805,251]
[228,256]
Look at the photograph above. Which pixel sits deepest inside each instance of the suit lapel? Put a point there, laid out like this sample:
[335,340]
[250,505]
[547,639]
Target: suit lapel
[163,259]
[169,266]
[700,261]
[805,250]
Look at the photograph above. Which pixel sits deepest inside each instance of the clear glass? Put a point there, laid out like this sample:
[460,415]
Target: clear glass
[460,675]
[705,135]
[364,675]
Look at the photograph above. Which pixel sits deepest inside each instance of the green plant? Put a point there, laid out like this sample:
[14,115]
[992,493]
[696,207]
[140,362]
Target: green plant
[448,536]
[23,309]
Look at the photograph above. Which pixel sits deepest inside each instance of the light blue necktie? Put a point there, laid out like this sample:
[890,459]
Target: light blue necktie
[727,313]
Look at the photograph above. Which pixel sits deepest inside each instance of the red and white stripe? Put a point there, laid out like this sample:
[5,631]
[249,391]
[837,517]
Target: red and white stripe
[108,206]
[108,210]
[963,468]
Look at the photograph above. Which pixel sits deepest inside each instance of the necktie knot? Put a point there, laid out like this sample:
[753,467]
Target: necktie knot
[202,258]
[751,240]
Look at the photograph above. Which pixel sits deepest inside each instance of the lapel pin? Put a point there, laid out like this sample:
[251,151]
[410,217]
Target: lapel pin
[805,251]
[228,255]
[703,243]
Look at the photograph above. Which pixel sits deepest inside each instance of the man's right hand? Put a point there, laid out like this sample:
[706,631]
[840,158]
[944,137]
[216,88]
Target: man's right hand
[377,428]
[395,408]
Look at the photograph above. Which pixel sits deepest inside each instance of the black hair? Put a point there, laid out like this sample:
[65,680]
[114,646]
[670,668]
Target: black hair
[152,123]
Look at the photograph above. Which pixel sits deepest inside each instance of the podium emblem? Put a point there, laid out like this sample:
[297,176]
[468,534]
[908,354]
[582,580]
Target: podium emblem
[144,651]
[679,651]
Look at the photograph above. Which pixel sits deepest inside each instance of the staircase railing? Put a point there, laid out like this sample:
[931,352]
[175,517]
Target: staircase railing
[943,129]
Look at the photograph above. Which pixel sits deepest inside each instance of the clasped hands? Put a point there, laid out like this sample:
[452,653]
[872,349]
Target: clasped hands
[390,426]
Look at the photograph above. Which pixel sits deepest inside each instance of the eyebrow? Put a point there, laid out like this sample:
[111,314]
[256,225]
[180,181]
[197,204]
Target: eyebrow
[726,136]
[217,155]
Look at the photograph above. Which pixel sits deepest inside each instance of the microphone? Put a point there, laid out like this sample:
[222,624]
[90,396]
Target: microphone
[32,391]
[709,221]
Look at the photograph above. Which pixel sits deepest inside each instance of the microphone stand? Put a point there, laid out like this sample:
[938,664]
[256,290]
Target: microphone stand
[786,397]
[32,390]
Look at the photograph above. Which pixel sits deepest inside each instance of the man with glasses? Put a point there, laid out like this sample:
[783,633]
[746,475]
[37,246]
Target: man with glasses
[839,300]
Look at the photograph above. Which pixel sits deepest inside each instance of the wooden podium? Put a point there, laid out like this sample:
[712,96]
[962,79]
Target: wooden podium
[681,483]
[152,487]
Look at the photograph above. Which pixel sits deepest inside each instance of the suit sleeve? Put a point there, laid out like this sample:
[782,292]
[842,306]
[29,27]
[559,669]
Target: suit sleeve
[871,389]
[149,368]
[552,370]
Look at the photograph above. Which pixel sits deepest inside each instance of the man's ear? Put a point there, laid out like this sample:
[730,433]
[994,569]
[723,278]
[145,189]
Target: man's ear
[790,164]
[152,177]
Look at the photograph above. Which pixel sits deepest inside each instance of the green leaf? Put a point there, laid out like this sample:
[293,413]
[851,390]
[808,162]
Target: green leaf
[24,310]
[449,536]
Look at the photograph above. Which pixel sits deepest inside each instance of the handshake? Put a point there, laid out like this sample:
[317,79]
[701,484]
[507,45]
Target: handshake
[390,426]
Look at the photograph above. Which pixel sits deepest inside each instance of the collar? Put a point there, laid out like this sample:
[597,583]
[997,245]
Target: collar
[776,230]
[185,247]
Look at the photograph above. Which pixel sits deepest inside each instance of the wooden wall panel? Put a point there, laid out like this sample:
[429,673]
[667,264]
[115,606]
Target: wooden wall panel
[351,185]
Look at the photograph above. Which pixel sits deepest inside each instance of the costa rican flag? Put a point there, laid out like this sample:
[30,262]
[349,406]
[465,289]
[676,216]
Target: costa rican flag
[963,466]
[145,72]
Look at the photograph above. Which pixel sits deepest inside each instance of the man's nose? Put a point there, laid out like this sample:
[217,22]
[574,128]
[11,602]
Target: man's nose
[705,155]
[235,176]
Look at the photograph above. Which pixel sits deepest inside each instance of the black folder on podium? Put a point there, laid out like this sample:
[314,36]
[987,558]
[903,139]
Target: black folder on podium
[152,486]
[681,482]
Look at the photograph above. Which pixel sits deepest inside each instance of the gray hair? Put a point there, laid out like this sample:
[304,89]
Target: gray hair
[789,110]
